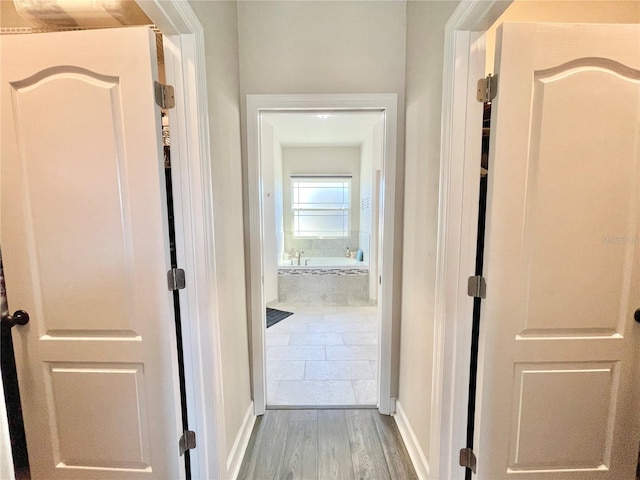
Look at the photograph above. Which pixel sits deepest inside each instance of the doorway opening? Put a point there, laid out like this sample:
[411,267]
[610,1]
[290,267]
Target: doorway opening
[320,174]
[321,197]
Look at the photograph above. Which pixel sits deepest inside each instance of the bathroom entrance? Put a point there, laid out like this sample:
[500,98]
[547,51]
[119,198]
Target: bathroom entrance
[321,207]
[317,321]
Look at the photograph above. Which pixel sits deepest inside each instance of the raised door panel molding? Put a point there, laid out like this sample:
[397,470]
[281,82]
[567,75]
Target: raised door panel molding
[565,187]
[575,436]
[84,116]
[99,416]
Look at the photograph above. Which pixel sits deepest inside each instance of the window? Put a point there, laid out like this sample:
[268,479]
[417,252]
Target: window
[320,206]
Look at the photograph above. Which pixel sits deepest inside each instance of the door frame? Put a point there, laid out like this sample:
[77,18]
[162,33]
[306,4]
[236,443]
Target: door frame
[185,68]
[321,102]
[464,64]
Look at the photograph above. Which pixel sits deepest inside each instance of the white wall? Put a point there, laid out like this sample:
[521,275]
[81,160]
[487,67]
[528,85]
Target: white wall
[321,47]
[312,47]
[279,188]
[366,193]
[371,153]
[219,20]
[268,144]
[425,47]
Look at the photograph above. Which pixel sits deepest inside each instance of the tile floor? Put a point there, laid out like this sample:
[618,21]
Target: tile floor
[323,356]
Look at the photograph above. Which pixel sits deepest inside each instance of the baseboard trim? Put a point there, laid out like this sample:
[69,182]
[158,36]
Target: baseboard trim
[234,460]
[416,454]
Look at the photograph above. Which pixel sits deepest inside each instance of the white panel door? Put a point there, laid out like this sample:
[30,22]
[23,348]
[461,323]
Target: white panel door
[85,250]
[558,388]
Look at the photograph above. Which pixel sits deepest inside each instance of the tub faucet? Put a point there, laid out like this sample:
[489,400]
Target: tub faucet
[300,252]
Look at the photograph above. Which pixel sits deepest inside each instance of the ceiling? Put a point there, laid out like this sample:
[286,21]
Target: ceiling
[54,15]
[294,129]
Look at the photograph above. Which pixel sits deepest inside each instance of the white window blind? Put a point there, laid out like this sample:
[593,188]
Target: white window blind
[320,206]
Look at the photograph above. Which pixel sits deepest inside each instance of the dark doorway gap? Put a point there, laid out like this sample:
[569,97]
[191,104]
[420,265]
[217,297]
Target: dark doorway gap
[12,392]
[176,296]
[482,211]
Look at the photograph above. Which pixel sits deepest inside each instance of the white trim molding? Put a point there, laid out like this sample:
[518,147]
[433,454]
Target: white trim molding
[410,440]
[185,66]
[236,454]
[387,103]
[464,58]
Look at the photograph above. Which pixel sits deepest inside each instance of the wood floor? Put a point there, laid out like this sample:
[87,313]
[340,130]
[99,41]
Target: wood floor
[326,444]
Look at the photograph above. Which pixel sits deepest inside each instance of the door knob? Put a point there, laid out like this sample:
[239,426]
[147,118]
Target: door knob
[636,315]
[20,317]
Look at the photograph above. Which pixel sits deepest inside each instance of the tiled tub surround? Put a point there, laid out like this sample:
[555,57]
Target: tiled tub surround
[321,247]
[325,284]
[326,263]
[323,356]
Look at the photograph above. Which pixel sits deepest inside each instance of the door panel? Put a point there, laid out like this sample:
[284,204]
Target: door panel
[120,445]
[96,173]
[559,347]
[575,185]
[574,392]
[86,251]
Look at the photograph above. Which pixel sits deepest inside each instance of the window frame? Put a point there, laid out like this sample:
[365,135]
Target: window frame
[344,208]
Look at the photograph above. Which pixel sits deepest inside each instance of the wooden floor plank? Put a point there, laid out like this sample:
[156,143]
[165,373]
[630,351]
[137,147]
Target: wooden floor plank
[304,416]
[334,452]
[367,456]
[300,461]
[264,456]
[353,444]
[398,461]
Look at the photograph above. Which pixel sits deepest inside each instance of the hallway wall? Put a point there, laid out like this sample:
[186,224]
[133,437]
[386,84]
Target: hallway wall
[314,47]
[269,145]
[425,56]
[219,20]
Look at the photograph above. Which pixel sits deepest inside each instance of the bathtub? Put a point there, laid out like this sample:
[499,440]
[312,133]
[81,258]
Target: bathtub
[323,262]
[323,280]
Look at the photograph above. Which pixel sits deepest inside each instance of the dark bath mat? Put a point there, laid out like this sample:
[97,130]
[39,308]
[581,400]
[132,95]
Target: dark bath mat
[274,316]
